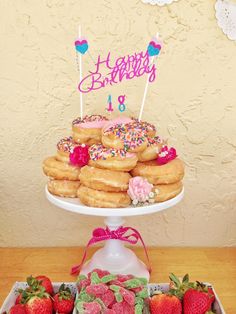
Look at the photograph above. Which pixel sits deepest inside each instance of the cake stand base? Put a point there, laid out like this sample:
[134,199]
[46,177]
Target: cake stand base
[115,257]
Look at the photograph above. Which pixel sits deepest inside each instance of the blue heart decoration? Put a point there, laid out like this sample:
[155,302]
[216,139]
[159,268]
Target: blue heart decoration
[81,46]
[153,51]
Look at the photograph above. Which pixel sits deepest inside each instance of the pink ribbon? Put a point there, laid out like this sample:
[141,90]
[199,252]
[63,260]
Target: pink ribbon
[101,234]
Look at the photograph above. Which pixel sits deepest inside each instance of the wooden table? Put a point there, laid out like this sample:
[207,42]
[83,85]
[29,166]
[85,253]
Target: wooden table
[217,266]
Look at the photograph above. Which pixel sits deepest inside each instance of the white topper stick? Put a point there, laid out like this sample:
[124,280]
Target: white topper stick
[146,87]
[80,78]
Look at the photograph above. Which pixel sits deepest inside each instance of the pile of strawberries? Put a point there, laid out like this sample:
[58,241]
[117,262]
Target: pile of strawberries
[183,297]
[104,293]
[39,298]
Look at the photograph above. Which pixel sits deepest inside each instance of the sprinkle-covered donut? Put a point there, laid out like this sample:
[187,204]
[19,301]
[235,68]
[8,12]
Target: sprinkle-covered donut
[128,136]
[64,147]
[87,130]
[111,158]
[148,128]
[153,148]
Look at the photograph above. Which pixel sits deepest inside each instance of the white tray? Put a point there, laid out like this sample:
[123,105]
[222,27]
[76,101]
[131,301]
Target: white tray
[11,298]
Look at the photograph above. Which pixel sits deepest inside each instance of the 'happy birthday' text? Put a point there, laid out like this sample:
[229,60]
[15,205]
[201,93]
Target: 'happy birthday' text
[124,68]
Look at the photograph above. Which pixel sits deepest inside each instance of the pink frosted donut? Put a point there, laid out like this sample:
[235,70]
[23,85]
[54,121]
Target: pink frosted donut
[88,130]
[111,158]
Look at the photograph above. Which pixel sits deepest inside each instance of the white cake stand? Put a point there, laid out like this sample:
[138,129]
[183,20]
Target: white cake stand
[114,256]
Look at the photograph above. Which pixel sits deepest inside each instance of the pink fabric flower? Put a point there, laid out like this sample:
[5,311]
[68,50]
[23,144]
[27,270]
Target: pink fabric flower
[139,189]
[80,156]
[166,155]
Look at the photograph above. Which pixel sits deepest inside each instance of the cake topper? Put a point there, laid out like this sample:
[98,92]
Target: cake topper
[108,72]
[153,50]
[81,46]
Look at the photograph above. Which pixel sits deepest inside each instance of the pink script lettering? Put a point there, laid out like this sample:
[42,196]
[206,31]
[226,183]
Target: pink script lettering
[124,68]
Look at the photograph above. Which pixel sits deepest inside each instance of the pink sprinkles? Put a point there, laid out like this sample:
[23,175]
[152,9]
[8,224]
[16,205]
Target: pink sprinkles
[92,118]
[66,144]
[98,151]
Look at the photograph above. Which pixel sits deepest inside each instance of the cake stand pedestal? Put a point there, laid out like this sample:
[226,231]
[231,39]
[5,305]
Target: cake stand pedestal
[114,256]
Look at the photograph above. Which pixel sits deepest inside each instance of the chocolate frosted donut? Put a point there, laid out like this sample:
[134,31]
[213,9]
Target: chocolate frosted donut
[88,130]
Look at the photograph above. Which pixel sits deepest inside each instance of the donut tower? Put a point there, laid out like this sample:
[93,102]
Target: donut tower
[114,163]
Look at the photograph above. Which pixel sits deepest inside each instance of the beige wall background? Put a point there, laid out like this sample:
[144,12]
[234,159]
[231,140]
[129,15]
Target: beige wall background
[192,103]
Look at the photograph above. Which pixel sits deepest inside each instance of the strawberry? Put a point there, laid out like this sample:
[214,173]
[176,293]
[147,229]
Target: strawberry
[211,294]
[165,304]
[63,301]
[35,299]
[19,298]
[17,309]
[39,305]
[197,301]
[178,287]
[46,283]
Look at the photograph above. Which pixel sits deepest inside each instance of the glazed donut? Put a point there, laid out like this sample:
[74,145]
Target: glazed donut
[102,199]
[168,173]
[104,180]
[64,147]
[125,136]
[59,170]
[63,188]
[152,150]
[88,130]
[164,192]
[111,158]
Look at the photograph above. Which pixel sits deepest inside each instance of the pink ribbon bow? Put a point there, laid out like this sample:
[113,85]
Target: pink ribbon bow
[101,234]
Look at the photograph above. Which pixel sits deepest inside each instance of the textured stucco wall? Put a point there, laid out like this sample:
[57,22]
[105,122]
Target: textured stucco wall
[192,102]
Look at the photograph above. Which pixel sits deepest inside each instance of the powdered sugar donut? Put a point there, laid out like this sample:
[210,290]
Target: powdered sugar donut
[88,129]
[111,158]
